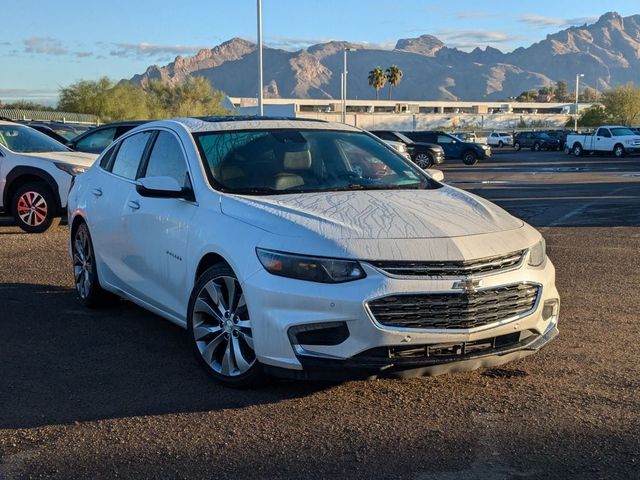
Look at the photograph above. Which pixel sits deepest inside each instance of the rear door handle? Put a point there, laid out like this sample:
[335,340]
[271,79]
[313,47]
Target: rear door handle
[133,204]
[97,192]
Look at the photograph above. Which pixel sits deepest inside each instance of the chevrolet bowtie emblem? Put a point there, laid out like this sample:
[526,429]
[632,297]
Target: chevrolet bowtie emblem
[468,284]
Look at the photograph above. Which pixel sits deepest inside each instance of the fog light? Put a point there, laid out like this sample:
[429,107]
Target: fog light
[326,333]
[550,310]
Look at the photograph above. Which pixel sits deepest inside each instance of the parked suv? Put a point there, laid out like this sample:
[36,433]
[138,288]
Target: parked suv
[262,240]
[453,147]
[35,174]
[499,139]
[97,139]
[535,141]
[425,155]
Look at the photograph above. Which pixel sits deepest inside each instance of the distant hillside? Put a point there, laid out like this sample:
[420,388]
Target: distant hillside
[607,52]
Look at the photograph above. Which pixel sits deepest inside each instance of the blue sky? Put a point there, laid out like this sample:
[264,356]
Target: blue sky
[45,44]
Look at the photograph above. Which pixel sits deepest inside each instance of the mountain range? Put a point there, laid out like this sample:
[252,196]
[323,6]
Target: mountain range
[607,52]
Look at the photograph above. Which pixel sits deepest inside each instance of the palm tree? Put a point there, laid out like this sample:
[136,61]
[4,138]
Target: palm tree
[377,79]
[394,75]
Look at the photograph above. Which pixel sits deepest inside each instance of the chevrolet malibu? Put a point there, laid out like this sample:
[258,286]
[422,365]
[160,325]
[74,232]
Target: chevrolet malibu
[307,249]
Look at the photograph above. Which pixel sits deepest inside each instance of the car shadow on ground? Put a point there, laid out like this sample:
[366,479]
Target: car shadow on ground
[80,365]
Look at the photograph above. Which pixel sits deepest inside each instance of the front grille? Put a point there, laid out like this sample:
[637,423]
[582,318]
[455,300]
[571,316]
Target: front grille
[455,310]
[451,269]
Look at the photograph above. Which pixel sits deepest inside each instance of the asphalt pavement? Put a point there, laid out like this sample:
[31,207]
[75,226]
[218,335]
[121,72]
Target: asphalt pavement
[116,393]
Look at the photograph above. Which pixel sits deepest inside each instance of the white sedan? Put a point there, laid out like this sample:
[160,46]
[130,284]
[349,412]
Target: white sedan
[307,249]
[35,174]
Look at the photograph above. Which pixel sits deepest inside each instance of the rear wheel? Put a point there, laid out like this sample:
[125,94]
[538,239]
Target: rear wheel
[618,151]
[85,272]
[500,144]
[423,160]
[536,147]
[34,208]
[220,330]
[469,157]
[516,146]
[577,150]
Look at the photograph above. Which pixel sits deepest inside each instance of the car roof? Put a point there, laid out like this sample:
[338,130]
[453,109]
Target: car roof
[221,123]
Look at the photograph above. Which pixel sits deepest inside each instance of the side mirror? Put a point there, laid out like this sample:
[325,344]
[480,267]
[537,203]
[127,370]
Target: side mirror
[437,175]
[162,187]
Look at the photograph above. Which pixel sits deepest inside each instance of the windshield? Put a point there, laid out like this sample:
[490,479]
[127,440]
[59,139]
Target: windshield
[270,162]
[21,139]
[618,132]
[404,138]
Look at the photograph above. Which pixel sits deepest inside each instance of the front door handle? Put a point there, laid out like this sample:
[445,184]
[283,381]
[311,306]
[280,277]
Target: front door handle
[134,204]
[97,192]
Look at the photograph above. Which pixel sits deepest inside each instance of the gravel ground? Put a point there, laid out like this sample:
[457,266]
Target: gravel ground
[117,393]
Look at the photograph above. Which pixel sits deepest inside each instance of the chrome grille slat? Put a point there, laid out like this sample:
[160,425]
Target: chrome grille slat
[460,310]
[460,268]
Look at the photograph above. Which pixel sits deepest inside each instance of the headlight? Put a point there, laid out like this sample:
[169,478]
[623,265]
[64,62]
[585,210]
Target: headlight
[538,254]
[73,170]
[402,148]
[312,269]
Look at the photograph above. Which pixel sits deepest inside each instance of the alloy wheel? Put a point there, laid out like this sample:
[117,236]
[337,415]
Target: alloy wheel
[423,160]
[82,263]
[618,151]
[222,328]
[32,208]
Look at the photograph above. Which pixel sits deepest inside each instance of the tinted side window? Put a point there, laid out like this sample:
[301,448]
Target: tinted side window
[106,158]
[167,159]
[445,139]
[129,155]
[96,141]
[603,132]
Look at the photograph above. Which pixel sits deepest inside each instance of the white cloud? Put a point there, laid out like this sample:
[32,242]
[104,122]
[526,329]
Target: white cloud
[543,21]
[44,46]
[140,50]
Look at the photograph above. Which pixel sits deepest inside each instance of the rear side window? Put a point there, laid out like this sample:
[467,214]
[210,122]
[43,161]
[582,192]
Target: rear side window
[166,159]
[129,155]
[96,141]
[444,139]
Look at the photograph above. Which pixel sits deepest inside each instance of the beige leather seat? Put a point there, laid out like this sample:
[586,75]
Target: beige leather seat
[296,165]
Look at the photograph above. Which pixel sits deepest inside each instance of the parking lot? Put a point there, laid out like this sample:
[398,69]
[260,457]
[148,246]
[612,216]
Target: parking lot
[116,392]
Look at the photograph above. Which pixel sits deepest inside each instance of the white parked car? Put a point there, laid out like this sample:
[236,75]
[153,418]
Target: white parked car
[283,247]
[400,147]
[35,175]
[500,139]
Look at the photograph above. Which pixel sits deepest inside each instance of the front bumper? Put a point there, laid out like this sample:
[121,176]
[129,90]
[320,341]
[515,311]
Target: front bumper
[276,304]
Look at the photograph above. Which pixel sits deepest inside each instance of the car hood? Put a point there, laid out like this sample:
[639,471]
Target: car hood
[80,159]
[391,214]
[430,146]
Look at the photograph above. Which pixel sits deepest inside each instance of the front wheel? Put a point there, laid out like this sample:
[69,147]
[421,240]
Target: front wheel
[536,147]
[423,160]
[618,151]
[34,208]
[220,329]
[516,146]
[469,158]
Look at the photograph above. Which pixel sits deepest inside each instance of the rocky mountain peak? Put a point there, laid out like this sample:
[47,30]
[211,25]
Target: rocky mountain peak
[427,45]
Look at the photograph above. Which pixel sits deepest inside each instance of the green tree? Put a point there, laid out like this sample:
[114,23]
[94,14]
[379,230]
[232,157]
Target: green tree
[377,79]
[127,101]
[527,96]
[593,116]
[562,91]
[393,75]
[623,104]
[589,95]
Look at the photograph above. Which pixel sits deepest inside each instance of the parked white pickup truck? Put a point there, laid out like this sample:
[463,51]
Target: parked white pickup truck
[616,140]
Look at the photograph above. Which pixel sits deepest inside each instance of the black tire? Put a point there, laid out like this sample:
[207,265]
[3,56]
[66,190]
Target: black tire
[85,272]
[423,160]
[217,336]
[577,150]
[618,151]
[516,146]
[500,144]
[536,147]
[469,157]
[34,208]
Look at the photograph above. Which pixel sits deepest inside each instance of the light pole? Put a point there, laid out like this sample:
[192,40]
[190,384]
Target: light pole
[575,120]
[260,80]
[343,84]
